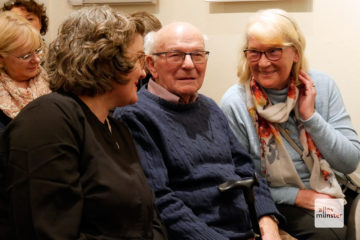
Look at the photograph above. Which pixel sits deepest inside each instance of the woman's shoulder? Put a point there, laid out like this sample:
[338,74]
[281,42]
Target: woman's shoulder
[54,98]
[324,83]
[234,95]
[51,106]
[320,77]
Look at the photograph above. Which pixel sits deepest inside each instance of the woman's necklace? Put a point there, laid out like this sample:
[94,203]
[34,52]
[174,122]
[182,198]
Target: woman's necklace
[110,129]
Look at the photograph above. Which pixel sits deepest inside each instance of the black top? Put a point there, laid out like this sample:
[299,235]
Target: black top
[4,120]
[67,178]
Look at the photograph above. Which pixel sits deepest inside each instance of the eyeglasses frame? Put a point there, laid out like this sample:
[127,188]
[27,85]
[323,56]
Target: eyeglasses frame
[265,53]
[39,51]
[184,55]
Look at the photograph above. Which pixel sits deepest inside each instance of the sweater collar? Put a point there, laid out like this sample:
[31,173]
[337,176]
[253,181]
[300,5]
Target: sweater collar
[158,90]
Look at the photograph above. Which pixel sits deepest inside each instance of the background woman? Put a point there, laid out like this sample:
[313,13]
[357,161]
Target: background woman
[151,24]
[276,91]
[34,12]
[21,77]
[78,174]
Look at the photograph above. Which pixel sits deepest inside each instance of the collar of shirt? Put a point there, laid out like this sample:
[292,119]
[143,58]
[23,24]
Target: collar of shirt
[156,89]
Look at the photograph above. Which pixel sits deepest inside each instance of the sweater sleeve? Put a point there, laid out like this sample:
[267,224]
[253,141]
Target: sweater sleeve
[335,137]
[264,204]
[43,179]
[180,220]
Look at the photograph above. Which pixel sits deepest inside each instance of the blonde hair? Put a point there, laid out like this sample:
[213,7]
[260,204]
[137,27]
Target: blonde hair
[17,33]
[274,27]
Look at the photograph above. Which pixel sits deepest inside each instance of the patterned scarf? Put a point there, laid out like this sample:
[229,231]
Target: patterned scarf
[276,164]
[13,98]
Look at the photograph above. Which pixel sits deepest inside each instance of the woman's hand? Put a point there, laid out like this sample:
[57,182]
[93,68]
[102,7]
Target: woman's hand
[306,198]
[307,96]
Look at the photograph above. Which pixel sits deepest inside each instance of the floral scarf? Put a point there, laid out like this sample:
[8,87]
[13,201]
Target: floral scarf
[13,98]
[276,164]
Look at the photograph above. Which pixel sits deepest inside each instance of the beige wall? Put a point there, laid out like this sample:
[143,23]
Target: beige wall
[331,27]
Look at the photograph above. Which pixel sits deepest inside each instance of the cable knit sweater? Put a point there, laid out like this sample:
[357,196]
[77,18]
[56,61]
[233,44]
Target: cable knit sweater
[330,128]
[187,150]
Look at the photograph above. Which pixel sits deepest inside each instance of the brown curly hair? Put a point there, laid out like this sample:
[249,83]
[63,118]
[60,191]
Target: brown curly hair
[33,7]
[151,23]
[90,51]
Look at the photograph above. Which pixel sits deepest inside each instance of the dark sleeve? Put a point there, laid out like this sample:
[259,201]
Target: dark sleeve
[6,228]
[159,229]
[180,220]
[264,204]
[43,173]
[6,231]
[4,121]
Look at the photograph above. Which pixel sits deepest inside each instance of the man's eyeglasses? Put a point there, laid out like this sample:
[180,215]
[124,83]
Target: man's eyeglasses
[272,54]
[27,57]
[176,57]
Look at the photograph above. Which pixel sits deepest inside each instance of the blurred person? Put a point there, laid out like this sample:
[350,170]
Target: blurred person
[187,148]
[151,24]
[292,122]
[73,172]
[34,12]
[150,21]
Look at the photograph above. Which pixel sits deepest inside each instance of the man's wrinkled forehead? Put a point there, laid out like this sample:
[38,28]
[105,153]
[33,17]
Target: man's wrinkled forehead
[179,34]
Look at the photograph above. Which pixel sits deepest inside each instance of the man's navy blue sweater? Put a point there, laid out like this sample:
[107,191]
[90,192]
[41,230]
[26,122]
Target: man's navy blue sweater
[187,150]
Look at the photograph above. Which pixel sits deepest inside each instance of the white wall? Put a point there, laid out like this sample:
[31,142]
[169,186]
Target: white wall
[331,27]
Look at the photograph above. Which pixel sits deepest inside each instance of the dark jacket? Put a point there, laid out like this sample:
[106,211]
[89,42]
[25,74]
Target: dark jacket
[70,177]
[4,121]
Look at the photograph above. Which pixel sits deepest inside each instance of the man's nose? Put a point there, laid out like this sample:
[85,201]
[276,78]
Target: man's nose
[188,62]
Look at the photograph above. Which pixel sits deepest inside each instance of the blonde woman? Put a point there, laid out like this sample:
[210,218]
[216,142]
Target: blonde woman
[21,77]
[276,91]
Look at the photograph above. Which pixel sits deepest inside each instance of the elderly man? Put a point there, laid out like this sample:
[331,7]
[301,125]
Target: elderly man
[187,148]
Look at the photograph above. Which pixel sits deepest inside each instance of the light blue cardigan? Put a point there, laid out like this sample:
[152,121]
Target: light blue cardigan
[330,128]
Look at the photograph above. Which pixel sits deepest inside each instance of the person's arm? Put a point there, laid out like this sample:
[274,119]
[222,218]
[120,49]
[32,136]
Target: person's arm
[306,198]
[4,121]
[333,134]
[180,220]
[158,227]
[264,204]
[43,174]
[234,107]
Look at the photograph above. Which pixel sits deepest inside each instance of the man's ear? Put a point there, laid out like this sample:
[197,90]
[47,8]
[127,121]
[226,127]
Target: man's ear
[150,64]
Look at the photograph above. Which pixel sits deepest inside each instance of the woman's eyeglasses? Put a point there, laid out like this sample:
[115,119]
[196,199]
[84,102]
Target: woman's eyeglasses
[272,54]
[27,57]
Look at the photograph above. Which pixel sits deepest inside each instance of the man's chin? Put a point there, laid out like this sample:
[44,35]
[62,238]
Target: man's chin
[188,91]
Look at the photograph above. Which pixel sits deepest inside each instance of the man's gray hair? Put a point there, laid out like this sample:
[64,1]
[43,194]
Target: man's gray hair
[150,39]
[149,42]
